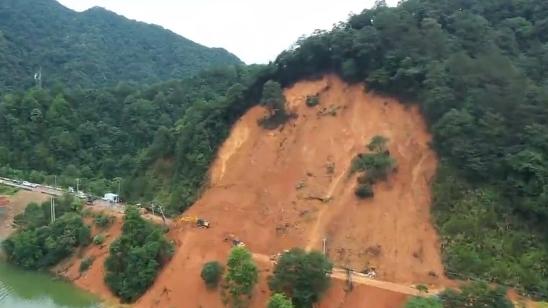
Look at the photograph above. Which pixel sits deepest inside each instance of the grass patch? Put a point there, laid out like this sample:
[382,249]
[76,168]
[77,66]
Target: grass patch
[8,190]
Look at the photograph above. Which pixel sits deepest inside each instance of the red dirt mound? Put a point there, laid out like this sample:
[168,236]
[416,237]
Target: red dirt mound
[93,280]
[267,188]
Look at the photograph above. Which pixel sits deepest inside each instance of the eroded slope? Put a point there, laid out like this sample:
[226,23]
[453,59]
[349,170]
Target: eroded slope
[266,188]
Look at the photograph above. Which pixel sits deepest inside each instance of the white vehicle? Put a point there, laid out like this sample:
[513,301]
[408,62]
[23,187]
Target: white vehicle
[28,184]
[112,198]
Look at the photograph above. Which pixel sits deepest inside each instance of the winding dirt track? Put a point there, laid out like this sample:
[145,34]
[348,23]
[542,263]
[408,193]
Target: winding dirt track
[266,188]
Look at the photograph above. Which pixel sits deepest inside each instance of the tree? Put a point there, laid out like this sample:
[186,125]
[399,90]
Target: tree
[423,302]
[242,273]
[211,273]
[476,295]
[273,98]
[302,276]
[279,300]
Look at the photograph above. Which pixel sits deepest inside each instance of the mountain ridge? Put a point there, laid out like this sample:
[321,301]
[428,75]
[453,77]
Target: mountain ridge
[93,48]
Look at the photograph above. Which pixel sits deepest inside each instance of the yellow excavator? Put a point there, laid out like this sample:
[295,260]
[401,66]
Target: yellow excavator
[200,222]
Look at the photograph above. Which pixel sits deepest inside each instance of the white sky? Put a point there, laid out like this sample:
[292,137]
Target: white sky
[254,30]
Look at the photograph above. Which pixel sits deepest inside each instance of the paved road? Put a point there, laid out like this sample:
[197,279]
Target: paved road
[39,188]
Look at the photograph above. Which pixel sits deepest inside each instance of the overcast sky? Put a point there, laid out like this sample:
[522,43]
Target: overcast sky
[254,30]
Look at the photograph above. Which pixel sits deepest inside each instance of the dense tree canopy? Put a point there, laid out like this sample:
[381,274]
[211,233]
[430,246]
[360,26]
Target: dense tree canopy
[92,48]
[157,139]
[38,243]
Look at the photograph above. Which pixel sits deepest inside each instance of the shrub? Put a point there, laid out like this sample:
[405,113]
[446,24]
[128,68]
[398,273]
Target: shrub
[423,302]
[99,239]
[378,144]
[103,220]
[211,273]
[86,263]
[312,101]
[364,191]
[476,295]
[279,300]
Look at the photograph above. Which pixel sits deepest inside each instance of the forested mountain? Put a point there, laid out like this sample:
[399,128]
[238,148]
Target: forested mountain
[478,69]
[101,134]
[92,48]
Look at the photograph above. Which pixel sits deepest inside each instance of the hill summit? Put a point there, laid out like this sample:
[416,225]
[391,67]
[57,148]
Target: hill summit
[92,48]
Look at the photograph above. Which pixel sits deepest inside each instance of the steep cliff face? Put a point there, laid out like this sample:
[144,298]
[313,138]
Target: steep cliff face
[266,188]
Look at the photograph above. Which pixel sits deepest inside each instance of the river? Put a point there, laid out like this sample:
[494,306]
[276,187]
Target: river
[23,289]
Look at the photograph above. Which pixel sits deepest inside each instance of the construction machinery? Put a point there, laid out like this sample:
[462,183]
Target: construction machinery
[234,240]
[199,222]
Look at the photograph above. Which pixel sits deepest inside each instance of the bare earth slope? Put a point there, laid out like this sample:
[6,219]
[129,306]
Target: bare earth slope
[266,184]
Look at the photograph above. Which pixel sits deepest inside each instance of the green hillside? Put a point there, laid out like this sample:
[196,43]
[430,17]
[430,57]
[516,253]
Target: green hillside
[92,48]
[477,68]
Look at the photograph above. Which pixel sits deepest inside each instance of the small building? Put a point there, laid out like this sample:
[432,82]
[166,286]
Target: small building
[112,198]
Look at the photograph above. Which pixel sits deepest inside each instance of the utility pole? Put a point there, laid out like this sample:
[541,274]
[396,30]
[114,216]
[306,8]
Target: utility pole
[324,244]
[163,216]
[55,181]
[77,185]
[52,209]
[119,184]
[38,78]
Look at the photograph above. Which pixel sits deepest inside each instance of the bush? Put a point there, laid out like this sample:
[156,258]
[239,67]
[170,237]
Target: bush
[301,275]
[364,191]
[312,101]
[86,263]
[8,190]
[136,257]
[476,295]
[375,166]
[378,144]
[423,302]
[211,273]
[103,220]
[99,239]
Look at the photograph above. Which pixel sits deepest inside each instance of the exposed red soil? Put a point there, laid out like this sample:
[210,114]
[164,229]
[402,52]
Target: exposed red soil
[265,186]
[361,296]
[92,280]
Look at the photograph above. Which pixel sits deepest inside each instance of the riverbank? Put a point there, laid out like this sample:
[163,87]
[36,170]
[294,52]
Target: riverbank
[46,290]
